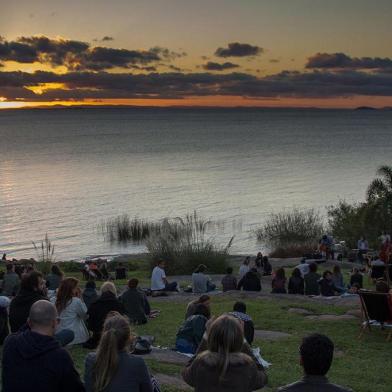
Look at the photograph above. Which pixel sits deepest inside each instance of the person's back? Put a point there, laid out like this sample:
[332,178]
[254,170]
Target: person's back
[111,368]
[250,282]
[130,375]
[199,282]
[90,294]
[316,352]
[296,285]
[11,282]
[99,310]
[133,301]
[28,294]
[229,282]
[53,281]
[311,281]
[35,361]
[192,329]
[223,367]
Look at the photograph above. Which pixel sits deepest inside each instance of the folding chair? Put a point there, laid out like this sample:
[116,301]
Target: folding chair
[376,311]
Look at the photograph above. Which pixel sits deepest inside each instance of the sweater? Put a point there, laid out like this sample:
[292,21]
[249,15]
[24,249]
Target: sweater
[134,302]
[250,282]
[35,362]
[193,329]
[131,375]
[296,285]
[229,282]
[312,384]
[20,307]
[242,374]
[311,283]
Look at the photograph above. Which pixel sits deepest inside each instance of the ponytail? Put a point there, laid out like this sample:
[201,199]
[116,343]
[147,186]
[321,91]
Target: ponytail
[115,337]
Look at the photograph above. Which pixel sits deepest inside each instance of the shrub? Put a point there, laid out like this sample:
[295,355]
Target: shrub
[183,245]
[45,253]
[296,231]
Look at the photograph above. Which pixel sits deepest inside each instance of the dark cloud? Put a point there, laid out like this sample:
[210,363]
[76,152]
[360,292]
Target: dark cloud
[235,49]
[211,66]
[341,60]
[107,38]
[101,85]
[274,61]
[78,55]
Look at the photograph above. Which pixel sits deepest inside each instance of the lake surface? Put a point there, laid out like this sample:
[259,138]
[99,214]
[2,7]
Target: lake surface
[63,172]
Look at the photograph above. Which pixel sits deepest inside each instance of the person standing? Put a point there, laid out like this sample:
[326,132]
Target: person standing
[363,248]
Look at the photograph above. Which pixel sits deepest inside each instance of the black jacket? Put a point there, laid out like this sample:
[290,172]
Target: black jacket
[99,309]
[35,362]
[20,307]
[313,384]
[135,305]
[250,282]
[296,285]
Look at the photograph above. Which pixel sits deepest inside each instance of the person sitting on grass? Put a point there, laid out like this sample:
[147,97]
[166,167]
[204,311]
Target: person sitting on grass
[239,312]
[192,330]
[191,308]
[250,282]
[159,281]
[356,278]
[303,266]
[229,282]
[223,367]
[312,280]
[33,360]
[135,303]
[121,272]
[201,283]
[316,354]
[72,310]
[54,278]
[279,282]
[11,281]
[32,289]
[327,286]
[98,311]
[338,280]
[112,368]
[90,294]
[296,282]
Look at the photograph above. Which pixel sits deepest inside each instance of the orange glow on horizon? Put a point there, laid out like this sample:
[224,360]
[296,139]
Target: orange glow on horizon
[211,101]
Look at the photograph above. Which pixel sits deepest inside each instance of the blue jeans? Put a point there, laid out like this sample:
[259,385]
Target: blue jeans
[170,286]
[183,346]
[64,337]
[210,286]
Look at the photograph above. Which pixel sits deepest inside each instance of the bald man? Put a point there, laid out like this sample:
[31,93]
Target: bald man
[34,360]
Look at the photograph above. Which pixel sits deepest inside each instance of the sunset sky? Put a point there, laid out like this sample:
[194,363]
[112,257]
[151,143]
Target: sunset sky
[208,52]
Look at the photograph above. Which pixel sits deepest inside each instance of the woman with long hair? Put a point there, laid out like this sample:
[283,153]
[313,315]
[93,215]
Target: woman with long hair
[296,282]
[72,310]
[223,367]
[279,282]
[112,368]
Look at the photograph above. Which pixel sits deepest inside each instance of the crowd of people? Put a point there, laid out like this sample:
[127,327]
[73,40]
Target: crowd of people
[47,313]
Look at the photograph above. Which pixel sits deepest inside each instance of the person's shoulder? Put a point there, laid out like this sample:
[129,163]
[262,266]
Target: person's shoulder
[294,387]
[134,360]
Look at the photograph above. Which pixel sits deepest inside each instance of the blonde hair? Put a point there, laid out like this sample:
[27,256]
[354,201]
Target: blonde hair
[225,337]
[116,335]
[109,286]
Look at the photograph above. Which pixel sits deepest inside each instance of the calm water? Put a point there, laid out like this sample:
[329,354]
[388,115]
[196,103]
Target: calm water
[64,171]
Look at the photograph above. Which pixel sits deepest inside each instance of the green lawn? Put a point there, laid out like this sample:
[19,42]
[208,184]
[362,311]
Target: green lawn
[351,367]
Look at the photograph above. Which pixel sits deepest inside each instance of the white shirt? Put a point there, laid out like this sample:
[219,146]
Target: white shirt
[157,282]
[304,268]
[243,270]
[72,317]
